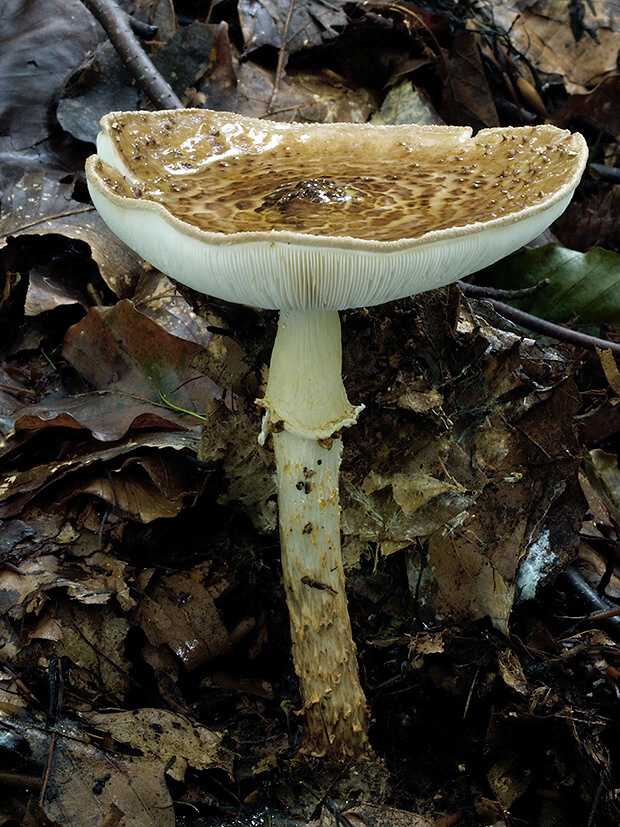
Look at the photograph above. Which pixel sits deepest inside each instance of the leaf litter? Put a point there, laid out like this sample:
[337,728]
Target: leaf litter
[143,640]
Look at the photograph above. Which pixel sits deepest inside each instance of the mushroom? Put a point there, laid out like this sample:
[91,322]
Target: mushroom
[310,220]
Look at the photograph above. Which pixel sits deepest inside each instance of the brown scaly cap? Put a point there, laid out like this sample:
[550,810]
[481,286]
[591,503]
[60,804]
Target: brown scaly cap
[223,179]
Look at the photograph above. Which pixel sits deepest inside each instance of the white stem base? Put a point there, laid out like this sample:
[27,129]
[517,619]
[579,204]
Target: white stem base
[336,718]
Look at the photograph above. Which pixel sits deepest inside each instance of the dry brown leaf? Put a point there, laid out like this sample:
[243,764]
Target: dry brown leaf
[378,816]
[306,96]
[93,640]
[508,779]
[424,643]
[23,593]
[230,439]
[512,672]
[159,299]
[136,497]
[610,369]
[264,22]
[600,106]
[467,97]
[19,487]
[170,738]
[488,478]
[605,467]
[542,32]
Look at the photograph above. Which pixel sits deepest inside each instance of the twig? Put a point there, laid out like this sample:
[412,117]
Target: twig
[118,28]
[19,779]
[48,767]
[588,596]
[143,30]
[602,172]
[281,56]
[554,331]
[478,291]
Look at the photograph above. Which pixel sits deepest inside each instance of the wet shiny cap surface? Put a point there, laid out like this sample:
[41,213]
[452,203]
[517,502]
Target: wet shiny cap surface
[330,216]
[226,174]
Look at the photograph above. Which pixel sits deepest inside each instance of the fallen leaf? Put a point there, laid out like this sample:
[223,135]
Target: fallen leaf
[467,98]
[40,205]
[21,593]
[170,738]
[19,487]
[512,672]
[598,106]
[305,96]
[461,476]
[311,23]
[158,298]
[93,641]
[84,784]
[549,35]
[144,488]
[371,814]
[196,61]
[180,612]
[581,285]
[405,103]
[141,376]
[59,33]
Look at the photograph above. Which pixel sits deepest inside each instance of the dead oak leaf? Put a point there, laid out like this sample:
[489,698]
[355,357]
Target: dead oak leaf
[20,486]
[92,639]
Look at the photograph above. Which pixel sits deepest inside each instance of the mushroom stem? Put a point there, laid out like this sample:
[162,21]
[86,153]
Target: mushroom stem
[305,390]
[336,719]
[305,393]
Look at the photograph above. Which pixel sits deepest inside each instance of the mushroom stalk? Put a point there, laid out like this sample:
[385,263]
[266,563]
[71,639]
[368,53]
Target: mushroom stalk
[306,394]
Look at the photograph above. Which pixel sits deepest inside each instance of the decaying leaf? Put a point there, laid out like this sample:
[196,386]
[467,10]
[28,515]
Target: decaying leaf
[170,738]
[405,103]
[84,783]
[512,671]
[19,487]
[230,437]
[141,378]
[180,612]
[378,816]
[93,641]
[604,467]
[559,40]
[39,205]
[306,96]
[59,34]
[467,97]
[144,488]
[310,23]
[196,60]
[459,475]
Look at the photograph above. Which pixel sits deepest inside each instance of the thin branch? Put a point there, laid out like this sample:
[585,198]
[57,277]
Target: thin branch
[281,57]
[478,291]
[588,596]
[538,325]
[118,28]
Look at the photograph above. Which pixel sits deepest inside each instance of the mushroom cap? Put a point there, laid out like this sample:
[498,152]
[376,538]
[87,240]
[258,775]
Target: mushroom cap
[325,216]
